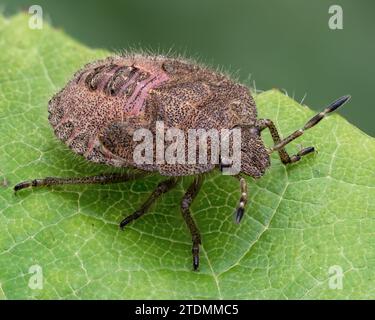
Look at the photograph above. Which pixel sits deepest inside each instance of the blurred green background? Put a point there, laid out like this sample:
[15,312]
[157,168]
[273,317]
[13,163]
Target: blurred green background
[281,44]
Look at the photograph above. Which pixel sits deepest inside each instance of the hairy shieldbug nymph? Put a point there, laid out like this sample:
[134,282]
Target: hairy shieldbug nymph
[100,108]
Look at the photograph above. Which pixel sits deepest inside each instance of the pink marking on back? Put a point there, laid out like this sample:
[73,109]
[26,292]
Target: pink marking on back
[108,155]
[63,120]
[132,79]
[93,141]
[135,103]
[140,86]
[72,136]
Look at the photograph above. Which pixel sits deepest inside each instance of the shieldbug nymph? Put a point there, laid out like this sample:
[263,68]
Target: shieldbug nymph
[100,108]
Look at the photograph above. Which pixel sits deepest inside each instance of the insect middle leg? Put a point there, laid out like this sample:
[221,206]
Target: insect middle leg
[283,154]
[99,179]
[162,188]
[186,201]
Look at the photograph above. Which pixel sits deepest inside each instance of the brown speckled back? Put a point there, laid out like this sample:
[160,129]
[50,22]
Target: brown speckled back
[97,112]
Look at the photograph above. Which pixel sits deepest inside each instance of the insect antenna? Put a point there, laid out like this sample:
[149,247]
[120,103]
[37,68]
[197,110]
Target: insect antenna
[311,123]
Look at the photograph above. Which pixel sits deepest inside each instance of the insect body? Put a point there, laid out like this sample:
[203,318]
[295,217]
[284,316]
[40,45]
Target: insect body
[97,113]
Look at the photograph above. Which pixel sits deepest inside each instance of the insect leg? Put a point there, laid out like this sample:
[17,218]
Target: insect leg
[312,122]
[243,200]
[284,156]
[100,179]
[267,123]
[188,198]
[162,187]
[297,157]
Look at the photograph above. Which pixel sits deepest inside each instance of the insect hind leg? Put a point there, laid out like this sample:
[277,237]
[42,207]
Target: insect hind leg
[99,179]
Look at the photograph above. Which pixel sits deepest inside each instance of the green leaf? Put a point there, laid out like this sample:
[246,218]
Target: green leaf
[301,220]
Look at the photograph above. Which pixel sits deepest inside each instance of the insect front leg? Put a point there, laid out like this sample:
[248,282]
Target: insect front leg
[188,198]
[243,200]
[99,179]
[162,187]
[283,154]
